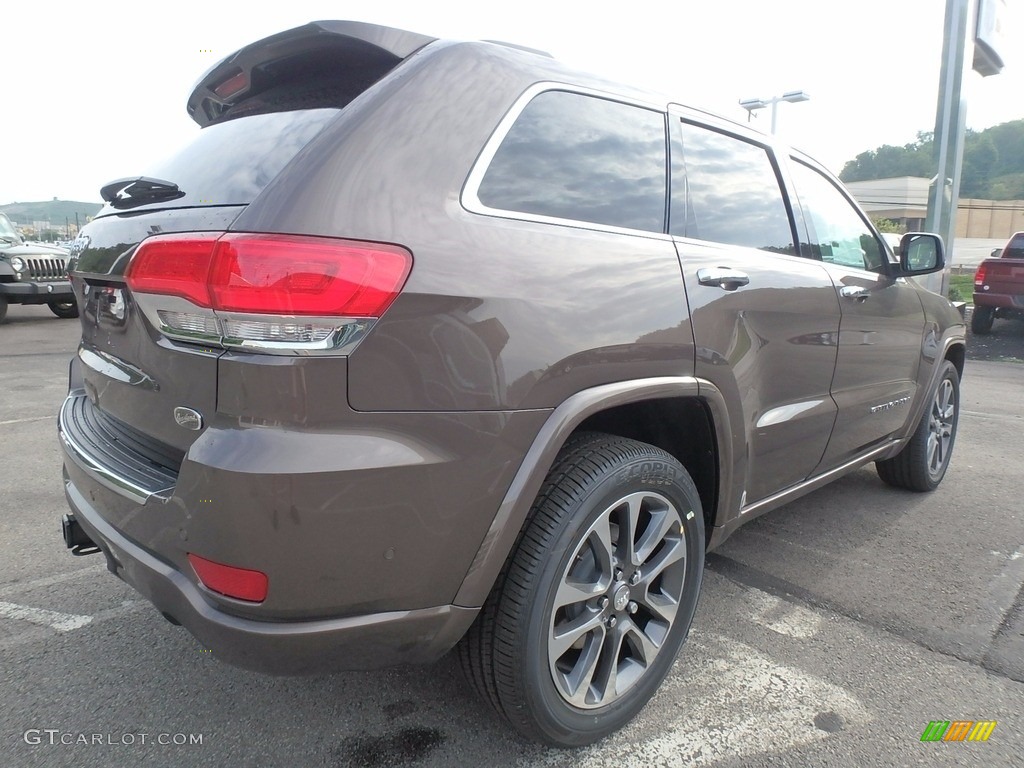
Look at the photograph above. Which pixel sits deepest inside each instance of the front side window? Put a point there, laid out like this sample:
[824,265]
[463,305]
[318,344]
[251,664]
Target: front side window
[572,156]
[838,233]
[726,190]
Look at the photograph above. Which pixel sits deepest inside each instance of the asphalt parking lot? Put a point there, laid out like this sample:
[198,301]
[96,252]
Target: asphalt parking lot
[829,632]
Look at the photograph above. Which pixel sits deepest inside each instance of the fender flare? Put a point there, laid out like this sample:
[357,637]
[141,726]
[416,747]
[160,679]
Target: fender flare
[560,424]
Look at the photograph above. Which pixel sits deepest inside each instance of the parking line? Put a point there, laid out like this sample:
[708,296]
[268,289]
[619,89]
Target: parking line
[26,421]
[48,581]
[62,622]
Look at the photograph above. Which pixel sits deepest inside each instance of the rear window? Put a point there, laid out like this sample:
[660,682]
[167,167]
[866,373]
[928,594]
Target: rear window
[230,163]
[1015,248]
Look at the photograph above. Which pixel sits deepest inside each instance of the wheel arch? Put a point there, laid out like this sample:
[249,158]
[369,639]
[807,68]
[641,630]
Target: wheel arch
[662,411]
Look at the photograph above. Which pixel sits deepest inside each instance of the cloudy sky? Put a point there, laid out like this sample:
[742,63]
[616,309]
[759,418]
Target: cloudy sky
[97,91]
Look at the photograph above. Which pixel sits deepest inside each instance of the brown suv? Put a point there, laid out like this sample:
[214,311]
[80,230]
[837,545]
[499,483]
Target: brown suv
[420,342]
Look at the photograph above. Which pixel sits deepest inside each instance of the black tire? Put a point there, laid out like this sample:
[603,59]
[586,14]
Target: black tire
[922,463]
[549,619]
[3,308]
[981,319]
[64,309]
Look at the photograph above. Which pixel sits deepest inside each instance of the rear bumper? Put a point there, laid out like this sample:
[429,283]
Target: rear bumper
[999,300]
[275,647]
[37,293]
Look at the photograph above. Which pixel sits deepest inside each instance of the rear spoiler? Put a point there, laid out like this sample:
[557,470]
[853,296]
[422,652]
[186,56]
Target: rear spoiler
[297,55]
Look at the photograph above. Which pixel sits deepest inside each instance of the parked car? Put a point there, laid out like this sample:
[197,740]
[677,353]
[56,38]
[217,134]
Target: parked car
[999,286]
[423,344]
[33,273]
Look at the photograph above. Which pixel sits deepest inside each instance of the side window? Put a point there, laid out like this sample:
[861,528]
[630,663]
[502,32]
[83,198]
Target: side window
[726,190]
[838,233]
[583,158]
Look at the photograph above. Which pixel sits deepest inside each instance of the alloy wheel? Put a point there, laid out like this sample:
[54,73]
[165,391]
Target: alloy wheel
[617,599]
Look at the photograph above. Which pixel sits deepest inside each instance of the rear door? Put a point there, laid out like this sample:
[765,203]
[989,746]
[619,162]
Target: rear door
[882,325]
[765,319]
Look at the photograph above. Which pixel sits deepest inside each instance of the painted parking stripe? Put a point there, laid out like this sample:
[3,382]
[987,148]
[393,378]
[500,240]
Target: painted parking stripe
[725,700]
[62,622]
[783,617]
[26,421]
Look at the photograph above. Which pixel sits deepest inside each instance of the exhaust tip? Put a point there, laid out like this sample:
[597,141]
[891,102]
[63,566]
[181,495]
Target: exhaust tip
[75,537]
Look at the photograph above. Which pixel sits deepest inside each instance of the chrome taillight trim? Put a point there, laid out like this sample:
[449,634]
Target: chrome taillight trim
[337,336]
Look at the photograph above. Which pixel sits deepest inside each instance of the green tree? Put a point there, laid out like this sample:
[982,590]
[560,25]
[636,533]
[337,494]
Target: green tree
[993,166]
[888,225]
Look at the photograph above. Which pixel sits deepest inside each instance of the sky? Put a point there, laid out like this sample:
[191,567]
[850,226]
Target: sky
[97,91]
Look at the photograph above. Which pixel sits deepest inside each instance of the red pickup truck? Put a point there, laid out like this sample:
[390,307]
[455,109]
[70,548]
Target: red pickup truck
[999,286]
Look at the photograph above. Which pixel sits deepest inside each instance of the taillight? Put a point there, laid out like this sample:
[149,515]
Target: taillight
[979,276]
[239,583]
[273,293]
[287,275]
[173,265]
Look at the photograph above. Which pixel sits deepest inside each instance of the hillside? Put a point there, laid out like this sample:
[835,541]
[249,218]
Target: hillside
[993,167]
[54,211]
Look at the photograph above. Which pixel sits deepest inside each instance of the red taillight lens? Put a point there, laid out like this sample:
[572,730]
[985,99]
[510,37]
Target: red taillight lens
[173,265]
[306,276]
[239,583]
[979,276]
[232,86]
[272,274]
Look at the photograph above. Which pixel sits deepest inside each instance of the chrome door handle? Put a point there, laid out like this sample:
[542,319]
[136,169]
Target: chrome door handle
[723,277]
[854,292]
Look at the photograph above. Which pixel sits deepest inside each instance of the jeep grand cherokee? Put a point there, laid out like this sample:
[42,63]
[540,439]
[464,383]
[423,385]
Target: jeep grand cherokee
[423,344]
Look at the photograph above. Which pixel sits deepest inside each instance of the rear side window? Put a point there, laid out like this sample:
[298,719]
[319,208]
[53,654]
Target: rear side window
[572,156]
[726,190]
[230,163]
[1015,248]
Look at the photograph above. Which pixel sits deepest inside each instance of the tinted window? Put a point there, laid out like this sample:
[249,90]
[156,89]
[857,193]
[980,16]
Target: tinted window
[1015,248]
[726,190]
[838,233]
[231,163]
[580,157]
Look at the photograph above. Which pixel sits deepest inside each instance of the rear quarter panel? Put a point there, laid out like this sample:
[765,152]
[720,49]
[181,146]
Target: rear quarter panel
[497,313]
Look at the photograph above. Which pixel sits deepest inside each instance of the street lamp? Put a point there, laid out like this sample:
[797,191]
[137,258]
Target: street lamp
[753,104]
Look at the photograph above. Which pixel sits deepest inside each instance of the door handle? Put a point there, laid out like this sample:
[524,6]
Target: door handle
[857,292]
[723,277]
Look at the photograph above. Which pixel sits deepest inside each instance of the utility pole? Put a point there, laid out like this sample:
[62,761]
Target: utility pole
[950,125]
[973,26]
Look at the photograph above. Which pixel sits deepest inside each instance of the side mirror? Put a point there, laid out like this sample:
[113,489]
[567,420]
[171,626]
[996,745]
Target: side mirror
[921,253]
[996,253]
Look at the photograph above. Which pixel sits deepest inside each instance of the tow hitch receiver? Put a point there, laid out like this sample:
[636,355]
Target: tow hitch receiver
[76,539]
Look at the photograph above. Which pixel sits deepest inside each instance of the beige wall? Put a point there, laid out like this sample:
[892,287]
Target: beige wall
[989,218]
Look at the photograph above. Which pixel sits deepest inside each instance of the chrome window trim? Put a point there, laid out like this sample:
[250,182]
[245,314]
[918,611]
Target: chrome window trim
[470,199]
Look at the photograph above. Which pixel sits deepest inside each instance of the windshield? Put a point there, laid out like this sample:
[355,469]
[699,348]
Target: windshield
[7,230]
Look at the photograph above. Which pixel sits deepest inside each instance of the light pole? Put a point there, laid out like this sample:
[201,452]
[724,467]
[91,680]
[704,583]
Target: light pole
[754,104]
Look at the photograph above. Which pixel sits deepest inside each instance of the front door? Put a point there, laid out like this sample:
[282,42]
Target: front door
[882,320]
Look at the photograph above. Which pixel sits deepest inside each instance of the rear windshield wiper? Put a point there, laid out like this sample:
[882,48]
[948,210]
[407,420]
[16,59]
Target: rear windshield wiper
[131,192]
